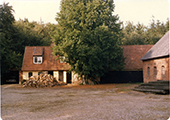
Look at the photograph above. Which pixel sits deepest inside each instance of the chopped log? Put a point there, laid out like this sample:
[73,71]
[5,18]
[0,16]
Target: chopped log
[42,80]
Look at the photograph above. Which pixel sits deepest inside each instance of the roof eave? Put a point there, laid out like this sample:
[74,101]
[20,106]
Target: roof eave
[155,58]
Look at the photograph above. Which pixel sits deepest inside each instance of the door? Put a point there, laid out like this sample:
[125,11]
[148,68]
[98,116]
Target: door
[60,75]
[68,77]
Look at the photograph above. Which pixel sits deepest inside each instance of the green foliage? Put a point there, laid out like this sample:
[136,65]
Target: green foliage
[88,35]
[7,31]
[141,35]
[156,31]
[15,35]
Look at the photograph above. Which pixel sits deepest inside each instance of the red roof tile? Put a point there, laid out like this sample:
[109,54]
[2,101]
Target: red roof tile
[49,60]
[133,54]
[38,50]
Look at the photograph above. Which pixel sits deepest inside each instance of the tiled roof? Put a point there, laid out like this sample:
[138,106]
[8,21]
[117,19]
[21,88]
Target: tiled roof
[160,49]
[133,54]
[38,50]
[49,60]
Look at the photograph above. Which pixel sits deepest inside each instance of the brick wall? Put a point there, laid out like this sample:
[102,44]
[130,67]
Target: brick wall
[156,69]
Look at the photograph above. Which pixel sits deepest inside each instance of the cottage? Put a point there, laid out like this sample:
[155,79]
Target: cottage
[39,59]
[156,61]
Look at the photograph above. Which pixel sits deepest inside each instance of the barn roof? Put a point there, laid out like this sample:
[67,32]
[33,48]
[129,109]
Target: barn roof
[132,54]
[49,60]
[160,49]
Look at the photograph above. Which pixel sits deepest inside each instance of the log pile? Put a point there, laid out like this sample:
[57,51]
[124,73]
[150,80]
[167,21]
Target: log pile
[42,80]
[159,87]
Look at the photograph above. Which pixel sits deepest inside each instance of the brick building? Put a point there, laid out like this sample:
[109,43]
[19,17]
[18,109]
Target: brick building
[156,61]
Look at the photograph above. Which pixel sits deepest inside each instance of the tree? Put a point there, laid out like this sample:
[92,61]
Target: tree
[134,35]
[15,35]
[88,35]
[31,34]
[8,57]
[141,35]
[155,31]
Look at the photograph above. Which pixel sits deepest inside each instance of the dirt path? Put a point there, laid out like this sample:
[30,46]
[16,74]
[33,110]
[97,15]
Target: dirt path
[87,102]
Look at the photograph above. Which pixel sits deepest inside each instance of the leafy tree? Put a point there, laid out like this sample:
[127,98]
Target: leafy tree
[8,57]
[134,35]
[156,31]
[31,34]
[15,35]
[141,35]
[88,35]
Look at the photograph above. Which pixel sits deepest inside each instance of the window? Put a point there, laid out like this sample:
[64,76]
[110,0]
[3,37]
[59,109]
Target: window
[163,71]
[148,71]
[155,71]
[29,74]
[62,59]
[39,73]
[50,72]
[37,60]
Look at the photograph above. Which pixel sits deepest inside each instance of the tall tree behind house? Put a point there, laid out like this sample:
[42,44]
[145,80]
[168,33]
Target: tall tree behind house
[88,35]
[15,35]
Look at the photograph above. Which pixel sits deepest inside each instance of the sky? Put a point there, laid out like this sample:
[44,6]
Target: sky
[136,11]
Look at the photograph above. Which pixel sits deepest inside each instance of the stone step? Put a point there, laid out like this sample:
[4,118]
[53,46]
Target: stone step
[154,87]
[151,90]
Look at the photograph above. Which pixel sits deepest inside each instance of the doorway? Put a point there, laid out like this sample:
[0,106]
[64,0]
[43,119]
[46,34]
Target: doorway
[60,75]
[68,77]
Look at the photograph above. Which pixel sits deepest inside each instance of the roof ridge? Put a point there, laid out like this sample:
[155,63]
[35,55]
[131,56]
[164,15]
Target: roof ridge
[160,49]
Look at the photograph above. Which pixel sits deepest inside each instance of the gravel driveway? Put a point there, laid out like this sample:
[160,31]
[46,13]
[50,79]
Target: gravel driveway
[87,102]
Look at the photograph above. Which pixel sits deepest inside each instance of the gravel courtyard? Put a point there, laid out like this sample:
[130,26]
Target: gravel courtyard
[82,102]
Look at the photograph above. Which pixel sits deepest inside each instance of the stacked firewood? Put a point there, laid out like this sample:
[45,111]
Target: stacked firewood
[42,80]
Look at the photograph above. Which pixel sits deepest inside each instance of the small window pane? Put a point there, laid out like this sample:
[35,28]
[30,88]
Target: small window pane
[155,71]
[30,74]
[39,59]
[35,59]
[148,71]
[163,71]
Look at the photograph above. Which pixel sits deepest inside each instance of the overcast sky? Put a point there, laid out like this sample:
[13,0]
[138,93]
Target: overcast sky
[128,10]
